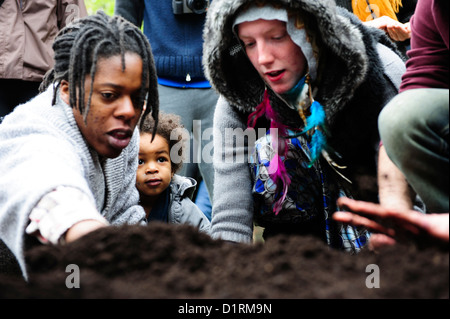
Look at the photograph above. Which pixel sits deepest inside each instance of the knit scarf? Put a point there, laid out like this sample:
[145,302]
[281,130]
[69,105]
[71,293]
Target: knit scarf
[367,10]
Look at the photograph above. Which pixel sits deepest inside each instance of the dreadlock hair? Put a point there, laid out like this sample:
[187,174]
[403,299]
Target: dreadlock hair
[79,46]
[169,125]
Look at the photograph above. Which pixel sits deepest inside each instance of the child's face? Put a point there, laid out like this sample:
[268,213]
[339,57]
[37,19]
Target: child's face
[154,172]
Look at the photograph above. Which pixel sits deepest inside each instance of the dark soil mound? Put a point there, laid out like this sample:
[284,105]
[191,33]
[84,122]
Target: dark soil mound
[164,261]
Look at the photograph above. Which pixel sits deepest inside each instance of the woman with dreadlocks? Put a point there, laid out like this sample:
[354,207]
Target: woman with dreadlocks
[68,158]
[314,78]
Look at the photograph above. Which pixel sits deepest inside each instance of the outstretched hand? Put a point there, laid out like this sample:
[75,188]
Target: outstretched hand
[393,224]
[397,31]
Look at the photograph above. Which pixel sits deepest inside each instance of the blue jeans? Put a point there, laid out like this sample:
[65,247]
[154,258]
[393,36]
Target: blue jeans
[202,200]
[414,128]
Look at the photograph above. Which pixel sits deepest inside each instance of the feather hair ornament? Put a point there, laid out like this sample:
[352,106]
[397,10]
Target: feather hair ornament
[315,126]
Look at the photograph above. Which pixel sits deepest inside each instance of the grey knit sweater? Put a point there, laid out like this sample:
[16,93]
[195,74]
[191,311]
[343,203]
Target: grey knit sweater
[42,148]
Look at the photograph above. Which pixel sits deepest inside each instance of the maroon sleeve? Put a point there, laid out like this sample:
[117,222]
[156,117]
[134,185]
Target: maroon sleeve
[427,66]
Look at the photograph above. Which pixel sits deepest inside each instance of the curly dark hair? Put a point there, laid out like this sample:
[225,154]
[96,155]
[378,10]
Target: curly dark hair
[170,128]
[79,45]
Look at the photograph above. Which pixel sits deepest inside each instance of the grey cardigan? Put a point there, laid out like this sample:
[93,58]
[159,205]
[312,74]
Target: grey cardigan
[42,148]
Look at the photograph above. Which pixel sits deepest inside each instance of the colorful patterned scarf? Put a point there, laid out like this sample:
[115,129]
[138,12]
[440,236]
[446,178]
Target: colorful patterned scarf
[277,169]
[314,127]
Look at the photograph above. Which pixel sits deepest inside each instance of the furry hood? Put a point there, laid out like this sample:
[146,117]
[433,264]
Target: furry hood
[338,35]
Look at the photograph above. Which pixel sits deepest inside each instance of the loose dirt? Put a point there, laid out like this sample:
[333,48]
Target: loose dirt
[166,261]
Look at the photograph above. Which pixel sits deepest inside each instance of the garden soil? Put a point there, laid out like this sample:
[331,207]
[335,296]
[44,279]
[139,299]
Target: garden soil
[162,261]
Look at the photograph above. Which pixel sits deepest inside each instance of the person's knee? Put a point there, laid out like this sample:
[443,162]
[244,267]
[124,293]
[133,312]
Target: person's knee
[406,114]
[392,121]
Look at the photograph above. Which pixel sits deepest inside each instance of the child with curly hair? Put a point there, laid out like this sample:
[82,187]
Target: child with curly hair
[165,196]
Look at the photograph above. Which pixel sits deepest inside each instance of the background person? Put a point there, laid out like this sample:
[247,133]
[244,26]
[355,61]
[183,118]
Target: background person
[391,16]
[414,126]
[176,39]
[27,31]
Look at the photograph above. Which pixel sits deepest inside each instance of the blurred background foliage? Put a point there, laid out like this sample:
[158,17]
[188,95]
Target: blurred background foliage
[94,5]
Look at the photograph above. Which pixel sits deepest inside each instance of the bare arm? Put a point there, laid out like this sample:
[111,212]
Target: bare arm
[393,188]
[82,228]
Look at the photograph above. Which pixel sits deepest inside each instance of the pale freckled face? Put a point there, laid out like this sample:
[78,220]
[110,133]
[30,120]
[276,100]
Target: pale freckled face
[278,60]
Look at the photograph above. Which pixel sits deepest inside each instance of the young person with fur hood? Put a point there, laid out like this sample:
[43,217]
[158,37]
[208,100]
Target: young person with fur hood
[313,79]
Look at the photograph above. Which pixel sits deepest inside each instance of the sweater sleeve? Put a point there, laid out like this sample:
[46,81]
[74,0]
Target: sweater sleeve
[233,203]
[427,66]
[58,211]
[39,166]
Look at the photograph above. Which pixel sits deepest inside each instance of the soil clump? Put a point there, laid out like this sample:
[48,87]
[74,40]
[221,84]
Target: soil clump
[162,261]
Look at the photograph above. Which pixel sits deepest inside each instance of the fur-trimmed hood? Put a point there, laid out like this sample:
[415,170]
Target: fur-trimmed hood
[341,38]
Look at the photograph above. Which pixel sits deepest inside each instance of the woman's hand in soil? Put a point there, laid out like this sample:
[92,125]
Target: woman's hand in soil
[82,228]
[398,225]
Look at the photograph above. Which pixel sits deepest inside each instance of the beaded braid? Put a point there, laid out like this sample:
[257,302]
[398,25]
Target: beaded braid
[78,47]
